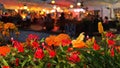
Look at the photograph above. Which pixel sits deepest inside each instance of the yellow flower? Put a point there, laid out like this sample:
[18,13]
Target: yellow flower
[100,27]
[80,37]
[90,42]
[79,43]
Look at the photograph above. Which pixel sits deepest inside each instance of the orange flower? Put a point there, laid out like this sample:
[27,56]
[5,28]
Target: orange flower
[50,40]
[58,40]
[4,50]
[9,26]
[1,25]
[78,44]
[4,33]
[6,26]
[12,26]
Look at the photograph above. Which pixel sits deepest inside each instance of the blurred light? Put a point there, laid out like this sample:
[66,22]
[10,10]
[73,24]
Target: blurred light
[28,9]
[54,7]
[58,8]
[79,10]
[25,7]
[47,12]
[52,1]
[71,6]
[21,8]
[23,16]
[53,11]
[16,10]
[42,13]
[78,4]
[44,10]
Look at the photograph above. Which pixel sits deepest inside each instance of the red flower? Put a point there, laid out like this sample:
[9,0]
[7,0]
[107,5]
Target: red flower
[33,37]
[35,44]
[48,65]
[66,42]
[74,58]
[5,67]
[112,52]
[18,45]
[39,53]
[69,49]
[111,42]
[52,53]
[17,61]
[96,46]
[110,35]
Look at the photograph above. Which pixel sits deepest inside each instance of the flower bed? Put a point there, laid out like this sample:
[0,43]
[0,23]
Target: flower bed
[6,29]
[60,51]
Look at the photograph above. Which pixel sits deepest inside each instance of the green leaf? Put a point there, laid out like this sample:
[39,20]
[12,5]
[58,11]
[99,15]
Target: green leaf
[24,62]
[29,58]
[65,48]
[61,48]
[57,66]
[4,62]
[53,61]
[42,40]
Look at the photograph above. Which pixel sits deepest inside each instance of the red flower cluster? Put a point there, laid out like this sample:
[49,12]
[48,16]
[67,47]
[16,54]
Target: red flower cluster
[69,49]
[74,57]
[111,42]
[110,35]
[112,52]
[96,46]
[33,37]
[5,67]
[52,53]
[39,53]
[66,42]
[17,61]
[35,44]
[18,45]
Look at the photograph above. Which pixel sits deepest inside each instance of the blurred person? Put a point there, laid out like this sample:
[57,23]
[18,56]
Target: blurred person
[61,21]
[106,23]
[49,22]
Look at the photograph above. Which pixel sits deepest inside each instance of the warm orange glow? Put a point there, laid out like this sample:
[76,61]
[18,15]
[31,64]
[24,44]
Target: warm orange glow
[23,16]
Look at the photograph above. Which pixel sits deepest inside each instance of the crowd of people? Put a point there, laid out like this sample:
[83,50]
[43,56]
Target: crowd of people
[70,26]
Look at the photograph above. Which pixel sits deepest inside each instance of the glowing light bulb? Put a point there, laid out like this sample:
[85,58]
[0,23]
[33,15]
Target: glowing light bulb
[71,6]
[52,1]
[78,3]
